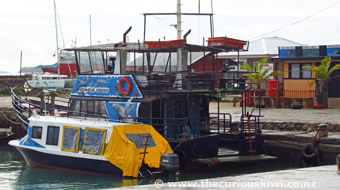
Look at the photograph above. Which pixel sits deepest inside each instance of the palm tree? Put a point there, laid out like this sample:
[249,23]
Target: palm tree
[259,74]
[322,77]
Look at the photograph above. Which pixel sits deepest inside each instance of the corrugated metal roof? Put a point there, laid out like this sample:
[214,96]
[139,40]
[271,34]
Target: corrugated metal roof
[264,46]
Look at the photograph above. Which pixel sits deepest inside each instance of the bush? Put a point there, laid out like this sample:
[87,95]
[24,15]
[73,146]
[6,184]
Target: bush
[259,104]
[296,104]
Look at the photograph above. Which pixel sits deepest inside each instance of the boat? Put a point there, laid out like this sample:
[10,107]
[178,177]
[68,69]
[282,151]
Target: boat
[66,65]
[58,75]
[50,81]
[168,95]
[75,144]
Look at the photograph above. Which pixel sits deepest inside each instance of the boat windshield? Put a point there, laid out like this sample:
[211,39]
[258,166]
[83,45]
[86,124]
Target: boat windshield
[90,62]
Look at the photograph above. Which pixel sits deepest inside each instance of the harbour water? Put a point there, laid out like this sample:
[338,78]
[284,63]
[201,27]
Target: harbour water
[16,174]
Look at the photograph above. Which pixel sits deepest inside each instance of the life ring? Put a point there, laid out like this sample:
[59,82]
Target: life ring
[121,83]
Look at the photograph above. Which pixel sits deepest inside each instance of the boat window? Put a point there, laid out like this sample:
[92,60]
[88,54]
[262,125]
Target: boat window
[90,107]
[83,108]
[100,109]
[75,107]
[97,62]
[94,141]
[71,137]
[140,140]
[36,132]
[84,62]
[52,135]
[54,77]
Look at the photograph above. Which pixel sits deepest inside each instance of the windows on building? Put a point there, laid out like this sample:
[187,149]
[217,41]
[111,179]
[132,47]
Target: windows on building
[297,71]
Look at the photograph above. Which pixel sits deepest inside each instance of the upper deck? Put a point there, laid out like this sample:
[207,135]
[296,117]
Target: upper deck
[166,66]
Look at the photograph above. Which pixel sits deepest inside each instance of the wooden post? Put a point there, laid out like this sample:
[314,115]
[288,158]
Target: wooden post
[42,101]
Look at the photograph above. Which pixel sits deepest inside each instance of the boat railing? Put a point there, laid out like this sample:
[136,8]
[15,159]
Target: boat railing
[157,83]
[22,107]
[250,122]
[83,115]
[220,123]
[175,128]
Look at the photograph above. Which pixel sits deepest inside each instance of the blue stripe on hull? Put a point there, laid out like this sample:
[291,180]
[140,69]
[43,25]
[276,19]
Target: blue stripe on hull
[69,163]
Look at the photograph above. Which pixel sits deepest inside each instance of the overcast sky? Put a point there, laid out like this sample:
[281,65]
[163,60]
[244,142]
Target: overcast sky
[28,25]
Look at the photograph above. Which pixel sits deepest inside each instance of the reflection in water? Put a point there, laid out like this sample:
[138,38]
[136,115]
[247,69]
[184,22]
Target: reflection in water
[16,174]
[11,166]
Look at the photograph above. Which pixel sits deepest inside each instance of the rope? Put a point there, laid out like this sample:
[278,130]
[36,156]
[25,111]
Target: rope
[16,123]
[315,142]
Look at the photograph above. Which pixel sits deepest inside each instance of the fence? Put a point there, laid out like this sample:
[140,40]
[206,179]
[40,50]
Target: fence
[299,93]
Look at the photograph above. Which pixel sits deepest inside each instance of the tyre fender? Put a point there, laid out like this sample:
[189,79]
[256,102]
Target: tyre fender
[308,153]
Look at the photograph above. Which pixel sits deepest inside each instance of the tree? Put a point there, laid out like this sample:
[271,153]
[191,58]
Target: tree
[322,77]
[259,74]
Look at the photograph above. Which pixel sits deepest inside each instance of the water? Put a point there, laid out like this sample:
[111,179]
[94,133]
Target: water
[16,174]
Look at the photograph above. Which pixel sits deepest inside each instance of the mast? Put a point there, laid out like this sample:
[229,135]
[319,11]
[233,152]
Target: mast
[179,20]
[56,34]
[90,30]
[181,53]
[20,61]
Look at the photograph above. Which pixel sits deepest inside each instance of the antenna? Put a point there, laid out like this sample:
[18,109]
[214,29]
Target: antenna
[179,14]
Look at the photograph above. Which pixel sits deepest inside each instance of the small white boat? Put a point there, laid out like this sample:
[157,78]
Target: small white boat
[50,81]
[92,145]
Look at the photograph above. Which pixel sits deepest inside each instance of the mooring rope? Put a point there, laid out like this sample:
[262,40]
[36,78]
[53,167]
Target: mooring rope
[16,123]
[315,142]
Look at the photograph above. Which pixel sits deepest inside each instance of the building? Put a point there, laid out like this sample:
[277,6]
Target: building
[266,47]
[292,59]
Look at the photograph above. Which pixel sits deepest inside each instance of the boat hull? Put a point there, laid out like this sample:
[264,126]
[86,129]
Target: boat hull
[47,83]
[69,163]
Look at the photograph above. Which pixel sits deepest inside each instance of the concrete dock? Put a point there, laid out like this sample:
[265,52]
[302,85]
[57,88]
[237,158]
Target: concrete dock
[321,177]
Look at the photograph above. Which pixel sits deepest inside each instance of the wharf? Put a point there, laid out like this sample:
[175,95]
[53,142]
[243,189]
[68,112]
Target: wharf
[321,177]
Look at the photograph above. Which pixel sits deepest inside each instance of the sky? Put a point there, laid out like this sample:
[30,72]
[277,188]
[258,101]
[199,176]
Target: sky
[28,25]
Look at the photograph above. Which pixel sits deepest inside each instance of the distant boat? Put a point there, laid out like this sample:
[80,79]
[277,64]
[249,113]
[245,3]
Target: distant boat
[66,65]
[50,81]
[56,75]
